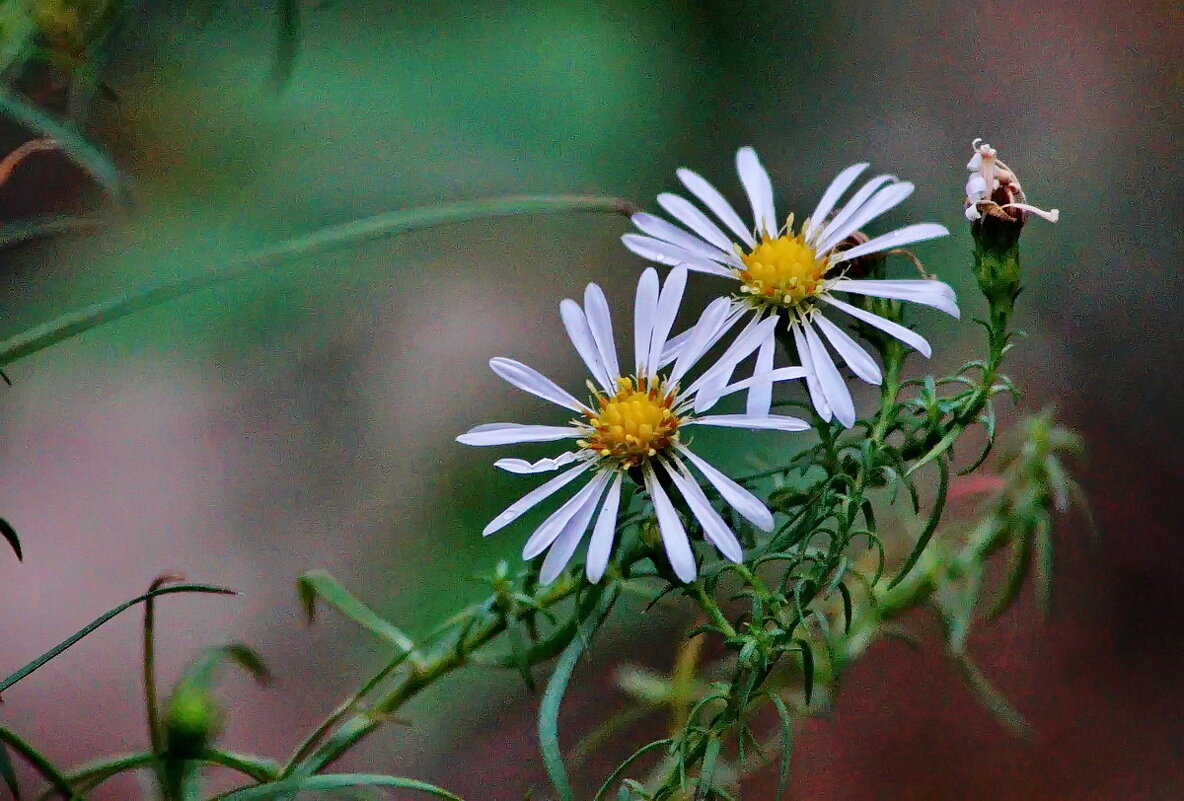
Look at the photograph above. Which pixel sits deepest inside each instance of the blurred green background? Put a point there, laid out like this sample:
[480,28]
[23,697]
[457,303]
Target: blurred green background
[305,417]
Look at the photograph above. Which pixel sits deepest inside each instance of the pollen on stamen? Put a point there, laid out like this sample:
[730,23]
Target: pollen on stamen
[781,271]
[636,423]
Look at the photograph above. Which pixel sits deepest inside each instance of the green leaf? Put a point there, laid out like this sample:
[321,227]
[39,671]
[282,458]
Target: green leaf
[9,535]
[201,672]
[1042,538]
[39,762]
[807,669]
[73,145]
[786,744]
[707,772]
[334,781]
[624,766]
[991,698]
[934,518]
[8,773]
[1017,571]
[287,41]
[553,698]
[13,678]
[369,229]
[319,584]
[847,612]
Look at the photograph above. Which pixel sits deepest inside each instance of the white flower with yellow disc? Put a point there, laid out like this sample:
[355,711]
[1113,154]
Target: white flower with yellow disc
[795,273]
[632,426]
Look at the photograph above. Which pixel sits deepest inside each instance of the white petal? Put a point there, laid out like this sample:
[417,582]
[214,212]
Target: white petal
[573,531]
[926,292]
[894,239]
[858,359]
[972,213]
[759,190]
[976,161]
[644,309]
[523,467]
[601,545]
[674,536]
[668,232]
[760,396]
[532,498]
[838,397]
[841,183]
[714,527]
[581,336]
[773,376]
[740,499]
[668,303]
[513,433]
[675,344]
[685,212]
[853,205]
[817,395]
[766,422]
[749,339]
[702,335]
[910,338]
[530,380]
[665,253]
[887,198]
[713,200]
[554,525]
[976,187]
[601,325]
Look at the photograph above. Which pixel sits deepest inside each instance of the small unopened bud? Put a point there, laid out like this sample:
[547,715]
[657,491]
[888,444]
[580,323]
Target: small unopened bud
[192,721]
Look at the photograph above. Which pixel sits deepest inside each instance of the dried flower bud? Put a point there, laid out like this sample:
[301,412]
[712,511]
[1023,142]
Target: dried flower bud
[993,189]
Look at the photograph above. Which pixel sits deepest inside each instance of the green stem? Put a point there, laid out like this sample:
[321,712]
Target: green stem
[380,226]
[444,659]
[39,762]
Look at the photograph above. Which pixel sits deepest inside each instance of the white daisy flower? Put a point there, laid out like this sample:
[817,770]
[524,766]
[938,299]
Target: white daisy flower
[992,185]
[795,273]
[632,426]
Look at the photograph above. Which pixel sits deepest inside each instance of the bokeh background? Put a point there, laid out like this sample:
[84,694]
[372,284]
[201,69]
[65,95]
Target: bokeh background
[304,418]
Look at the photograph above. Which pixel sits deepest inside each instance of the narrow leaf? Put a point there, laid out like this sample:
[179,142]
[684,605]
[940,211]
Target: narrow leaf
[335,781]
[934,518]
[9,534]
[13,678]
[707,772]
[786,744]
[319,584]
[807,669]
[553,698]
[8,773]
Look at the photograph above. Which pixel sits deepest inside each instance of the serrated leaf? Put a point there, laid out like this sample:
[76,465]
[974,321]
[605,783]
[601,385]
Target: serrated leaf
[9,535]
[320,584]
[286,787]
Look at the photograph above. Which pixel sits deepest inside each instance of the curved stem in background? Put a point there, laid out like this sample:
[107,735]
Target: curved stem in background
[334,237]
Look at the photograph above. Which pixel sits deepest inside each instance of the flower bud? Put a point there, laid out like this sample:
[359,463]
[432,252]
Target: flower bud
[997,207]
[192,721]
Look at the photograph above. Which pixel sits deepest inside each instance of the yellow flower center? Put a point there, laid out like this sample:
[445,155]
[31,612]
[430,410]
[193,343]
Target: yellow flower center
[783,270]
[634,424]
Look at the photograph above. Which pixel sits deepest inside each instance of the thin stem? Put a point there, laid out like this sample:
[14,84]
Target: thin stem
[39,762]
[374,228]
[444,659]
